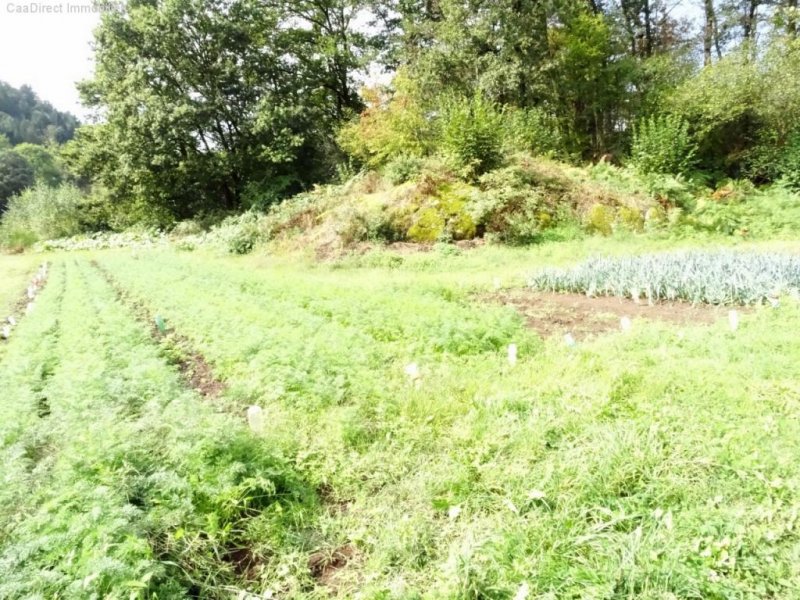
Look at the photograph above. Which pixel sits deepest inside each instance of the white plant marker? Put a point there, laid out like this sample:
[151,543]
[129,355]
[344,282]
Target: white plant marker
[523,592]
[12,321]
[569,340]
[496,283]
[31,292]
[29,308]
[512,354]
[635,295]
[5,333]
[625,324]
[733,319]
[255,419]
[413,372]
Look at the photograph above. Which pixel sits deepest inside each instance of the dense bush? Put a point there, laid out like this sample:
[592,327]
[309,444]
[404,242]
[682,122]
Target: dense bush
[472,134]
[531,130]
[511,208]
[41,213]
[663,144]
[392,125]
[789,163]
[16,174]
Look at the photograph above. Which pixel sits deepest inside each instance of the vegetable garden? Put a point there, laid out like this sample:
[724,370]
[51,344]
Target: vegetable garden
[656,462]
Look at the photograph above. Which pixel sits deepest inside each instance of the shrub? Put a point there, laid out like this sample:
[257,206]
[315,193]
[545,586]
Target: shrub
[444,217]
[240,234]
[789,163]
[472,134]
[663,144]
[531,130]
[510,208]
[630,218]
[402,168]
[599,219]
[16,174]
[392,125]
[41,213]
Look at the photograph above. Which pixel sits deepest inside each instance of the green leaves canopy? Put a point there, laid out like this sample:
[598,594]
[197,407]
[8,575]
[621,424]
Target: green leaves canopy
[202,97]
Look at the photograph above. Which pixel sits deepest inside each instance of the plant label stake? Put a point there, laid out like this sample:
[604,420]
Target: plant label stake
[733,320]
[255,419]
[625,324]
[413,372]
[161,324]
[512,354]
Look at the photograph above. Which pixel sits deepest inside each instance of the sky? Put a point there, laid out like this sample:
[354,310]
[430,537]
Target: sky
[49,52]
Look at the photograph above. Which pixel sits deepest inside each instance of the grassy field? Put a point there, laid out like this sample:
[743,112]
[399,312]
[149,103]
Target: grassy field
[655,463]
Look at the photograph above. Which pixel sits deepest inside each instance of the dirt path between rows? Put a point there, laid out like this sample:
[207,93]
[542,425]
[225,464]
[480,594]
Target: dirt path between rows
[194,368]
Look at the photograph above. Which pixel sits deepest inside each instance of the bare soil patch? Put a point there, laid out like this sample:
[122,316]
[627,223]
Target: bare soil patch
[552,314]
[325,565]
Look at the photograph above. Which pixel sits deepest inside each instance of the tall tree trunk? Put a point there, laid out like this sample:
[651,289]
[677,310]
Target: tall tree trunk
[749,23]
[648,29]
[708,32]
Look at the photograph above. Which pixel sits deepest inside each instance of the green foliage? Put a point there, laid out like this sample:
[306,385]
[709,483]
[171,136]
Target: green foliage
[24,118]
[241,234]
[743,108]
[493,478]
[45,164]
[402,168]
[663,144]
[16,174]
[511,208]
[599,219]
[789,163]
[533,131]
[762,214]
[720,277]
[136,487]
[445,216]
[472,134]
[391,126]
[213,118]
[42,213]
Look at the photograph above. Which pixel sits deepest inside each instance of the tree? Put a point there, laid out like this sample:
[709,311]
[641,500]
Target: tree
[205,99]
[25,118]
[16,174]
[44,163]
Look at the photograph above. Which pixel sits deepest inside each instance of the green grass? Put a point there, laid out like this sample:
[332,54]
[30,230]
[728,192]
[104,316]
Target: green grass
[658,463]
[15,275]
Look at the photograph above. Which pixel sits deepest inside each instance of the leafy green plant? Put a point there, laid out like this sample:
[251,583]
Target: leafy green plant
[663,144]
[531,130]
[511,208]
[472,134]
[42,213]
[712,277]
[789,163]
[402,168]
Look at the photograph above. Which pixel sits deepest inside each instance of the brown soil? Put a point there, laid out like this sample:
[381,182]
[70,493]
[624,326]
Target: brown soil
[552,314]
[325,565]
[331,501]
[195,370]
